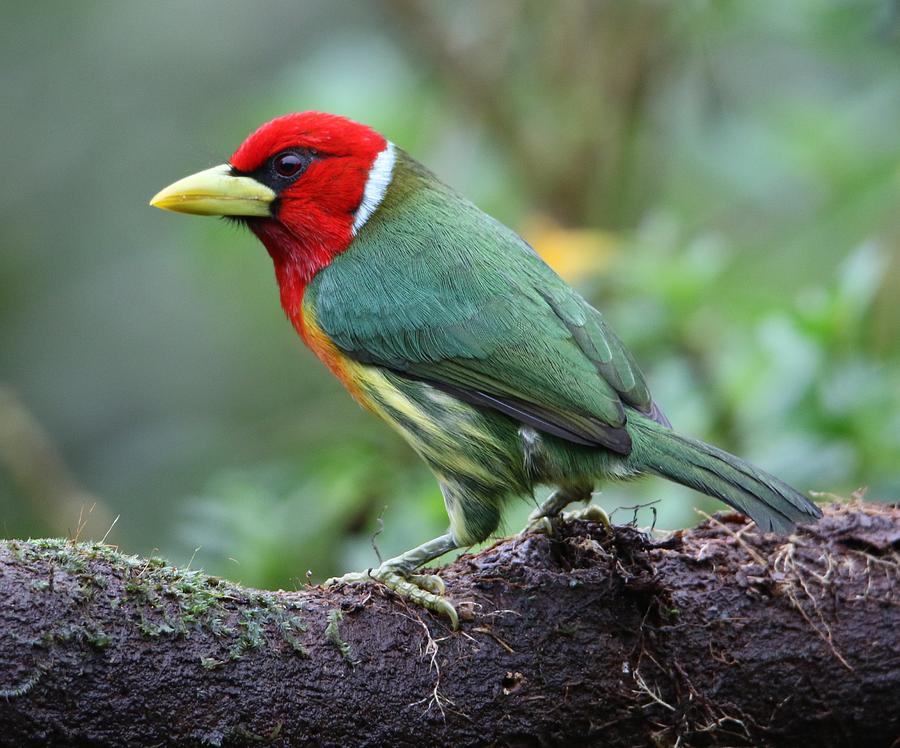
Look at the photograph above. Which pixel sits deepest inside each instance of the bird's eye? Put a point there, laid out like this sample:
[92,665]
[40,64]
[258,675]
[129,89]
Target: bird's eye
[289,164]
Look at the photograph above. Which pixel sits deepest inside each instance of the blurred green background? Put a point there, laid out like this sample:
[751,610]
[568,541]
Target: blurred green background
[721,178]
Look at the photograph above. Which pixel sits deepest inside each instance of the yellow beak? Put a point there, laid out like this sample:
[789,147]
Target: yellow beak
[216,192]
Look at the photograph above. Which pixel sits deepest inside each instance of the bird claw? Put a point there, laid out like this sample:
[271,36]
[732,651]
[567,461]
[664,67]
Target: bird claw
[590,513]
[425,590]
[540,525]
[429,582]
[543,523]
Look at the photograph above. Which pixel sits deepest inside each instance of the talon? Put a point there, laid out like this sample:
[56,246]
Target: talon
[353,577]
[429,582]
[541,525]
[591,513]
[421,589]
[444,607]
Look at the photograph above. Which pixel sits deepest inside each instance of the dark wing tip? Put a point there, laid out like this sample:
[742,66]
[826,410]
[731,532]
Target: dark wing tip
[655,414]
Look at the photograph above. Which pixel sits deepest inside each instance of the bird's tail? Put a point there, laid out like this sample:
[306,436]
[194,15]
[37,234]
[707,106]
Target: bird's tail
[771,503]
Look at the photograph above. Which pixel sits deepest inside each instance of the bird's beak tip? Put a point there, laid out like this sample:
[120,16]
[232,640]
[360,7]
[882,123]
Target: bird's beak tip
[215,192]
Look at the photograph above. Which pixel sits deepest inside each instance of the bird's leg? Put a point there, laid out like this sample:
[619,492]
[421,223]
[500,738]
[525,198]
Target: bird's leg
[541,518]
[398,574]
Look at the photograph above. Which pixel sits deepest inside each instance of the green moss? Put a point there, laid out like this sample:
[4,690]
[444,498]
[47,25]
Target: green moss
[98,581]
[210,663]
[95,637]
[99,639]
[289,627]
[17,549]
[153,629]
[247,736]
[250,625]
[24,687]
[219,628]
[333,634]
[163,601]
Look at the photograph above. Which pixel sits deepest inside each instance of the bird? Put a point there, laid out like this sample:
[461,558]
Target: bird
[450,327]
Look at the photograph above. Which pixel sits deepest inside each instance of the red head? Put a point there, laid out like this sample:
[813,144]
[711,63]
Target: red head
[318,166]
[304,183]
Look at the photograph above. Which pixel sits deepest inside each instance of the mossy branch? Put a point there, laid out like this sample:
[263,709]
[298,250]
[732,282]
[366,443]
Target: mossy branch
[718,635]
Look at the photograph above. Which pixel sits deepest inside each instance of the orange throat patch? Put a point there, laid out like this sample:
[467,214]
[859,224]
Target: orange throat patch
[344,368]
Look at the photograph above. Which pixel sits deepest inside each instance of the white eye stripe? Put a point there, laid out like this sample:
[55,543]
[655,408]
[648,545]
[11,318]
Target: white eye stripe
[378,181]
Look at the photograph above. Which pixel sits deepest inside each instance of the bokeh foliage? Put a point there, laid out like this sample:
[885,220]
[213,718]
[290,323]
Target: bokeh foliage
[721,178]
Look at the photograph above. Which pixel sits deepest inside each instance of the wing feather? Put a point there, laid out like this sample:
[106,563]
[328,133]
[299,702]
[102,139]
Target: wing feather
[442,293]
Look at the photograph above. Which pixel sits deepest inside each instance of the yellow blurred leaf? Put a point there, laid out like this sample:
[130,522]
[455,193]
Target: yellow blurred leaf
[573,253]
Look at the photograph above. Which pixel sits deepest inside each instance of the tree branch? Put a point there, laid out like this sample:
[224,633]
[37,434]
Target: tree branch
[718,635]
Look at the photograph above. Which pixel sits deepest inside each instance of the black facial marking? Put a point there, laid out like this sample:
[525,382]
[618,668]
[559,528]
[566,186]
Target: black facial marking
[281,170]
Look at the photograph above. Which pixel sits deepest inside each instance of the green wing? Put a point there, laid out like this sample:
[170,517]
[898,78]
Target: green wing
[443,293]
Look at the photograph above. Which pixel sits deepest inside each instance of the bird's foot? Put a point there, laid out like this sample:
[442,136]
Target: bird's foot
[426,590]
[541,525]
[590,513]
[541,522]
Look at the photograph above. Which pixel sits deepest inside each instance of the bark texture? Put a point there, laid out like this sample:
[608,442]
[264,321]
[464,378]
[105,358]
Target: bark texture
[714,636]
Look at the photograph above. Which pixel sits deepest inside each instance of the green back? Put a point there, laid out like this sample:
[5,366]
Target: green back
[435,289]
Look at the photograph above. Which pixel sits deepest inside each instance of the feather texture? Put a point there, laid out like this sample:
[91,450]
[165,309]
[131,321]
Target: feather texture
[434,289]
